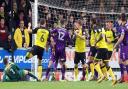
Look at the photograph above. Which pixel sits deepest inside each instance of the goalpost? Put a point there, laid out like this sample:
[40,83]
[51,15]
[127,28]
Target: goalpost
[34,64]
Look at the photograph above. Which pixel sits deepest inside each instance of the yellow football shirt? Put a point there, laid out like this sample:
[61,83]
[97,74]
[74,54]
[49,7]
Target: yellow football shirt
[93,38]
[102,43]
[109,36]
[80,44]
[42,36]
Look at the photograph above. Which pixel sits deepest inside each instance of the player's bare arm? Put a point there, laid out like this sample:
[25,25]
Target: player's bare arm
[119,41]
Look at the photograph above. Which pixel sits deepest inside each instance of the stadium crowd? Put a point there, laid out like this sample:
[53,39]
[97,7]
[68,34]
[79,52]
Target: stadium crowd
[15,17]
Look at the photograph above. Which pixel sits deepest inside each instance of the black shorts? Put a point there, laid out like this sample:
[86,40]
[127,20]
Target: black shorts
[109,54]
[36,50]
[102,54]
[92,51]
[79,56]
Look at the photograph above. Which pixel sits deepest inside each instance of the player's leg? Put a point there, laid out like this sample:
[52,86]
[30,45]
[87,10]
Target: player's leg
[52,60]
[97,64]
[126,58]
[106,58]
[63,69]
[62,59]
[76,61]
[90,63]
[39,69]
[126,64]
[110,72]
[39,56]
[121,63]
[82,58]
[121,80]
[104,70]
[55,70]
[48,69]
[109,69]
[30,74]
[31,52]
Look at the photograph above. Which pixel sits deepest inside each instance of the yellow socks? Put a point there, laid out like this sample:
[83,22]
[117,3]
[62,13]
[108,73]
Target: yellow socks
[98,69]
[111,74]
[39,72]
[92,68]
[104,71]
[76,71]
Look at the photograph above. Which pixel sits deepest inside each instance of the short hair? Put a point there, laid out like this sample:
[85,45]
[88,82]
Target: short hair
[79,22]
[5,60]
[94,20]
[109,20]
[63,22]
[123,17]
[42,21]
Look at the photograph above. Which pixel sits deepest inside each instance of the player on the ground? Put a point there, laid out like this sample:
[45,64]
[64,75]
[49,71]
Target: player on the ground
[62,37]
[80,48]
[123,41]
[42,36]
[12,73]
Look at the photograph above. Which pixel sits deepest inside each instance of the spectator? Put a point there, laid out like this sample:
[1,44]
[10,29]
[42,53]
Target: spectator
[70,23]
[3,33]
[25,8]
[10,45]
[21,17]
[2,11]
[15,17]
[21,36]
[66,3]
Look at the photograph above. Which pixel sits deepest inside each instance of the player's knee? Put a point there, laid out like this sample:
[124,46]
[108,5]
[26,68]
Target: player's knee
[50,64]
[76,66]
[106,63]
[120,62]
[26,72]
[28,55]
[126,62]
[39,62]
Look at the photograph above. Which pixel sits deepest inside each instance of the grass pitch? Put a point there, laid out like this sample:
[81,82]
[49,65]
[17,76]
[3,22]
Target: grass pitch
[61,85]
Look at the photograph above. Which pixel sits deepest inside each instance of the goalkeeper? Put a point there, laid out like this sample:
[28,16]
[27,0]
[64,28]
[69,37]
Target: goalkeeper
[12,73]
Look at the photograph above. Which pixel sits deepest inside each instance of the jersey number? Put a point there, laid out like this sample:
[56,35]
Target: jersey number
[61,36]
[42,38]
[12,71]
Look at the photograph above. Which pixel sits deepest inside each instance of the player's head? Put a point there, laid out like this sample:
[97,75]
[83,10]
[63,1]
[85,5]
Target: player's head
[63,23]
[5,61]
[21,24]
[109,24]
[123,19]
[55,25]
[78,24]
[42,22]
[93,23]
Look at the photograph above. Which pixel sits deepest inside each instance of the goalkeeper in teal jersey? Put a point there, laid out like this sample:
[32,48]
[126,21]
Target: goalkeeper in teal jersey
[12,72]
